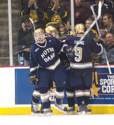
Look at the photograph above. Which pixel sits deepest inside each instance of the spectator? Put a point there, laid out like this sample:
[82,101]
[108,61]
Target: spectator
[21,2]
[56,12]
[92,33]
[113,14]
[24,2]
[81,12]
[25,40]
[62,28]
[35,9]
[108,24]
[109,40]
[106,8]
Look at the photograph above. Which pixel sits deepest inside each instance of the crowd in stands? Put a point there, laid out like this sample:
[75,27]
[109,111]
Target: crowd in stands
[45,13]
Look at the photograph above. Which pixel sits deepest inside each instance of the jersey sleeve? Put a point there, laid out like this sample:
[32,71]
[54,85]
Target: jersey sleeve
[33,63]
[96,48]
[58,45]
[67,41]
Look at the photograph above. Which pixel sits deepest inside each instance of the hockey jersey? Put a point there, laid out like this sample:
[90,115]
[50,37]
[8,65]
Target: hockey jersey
[82,52]
[46,56]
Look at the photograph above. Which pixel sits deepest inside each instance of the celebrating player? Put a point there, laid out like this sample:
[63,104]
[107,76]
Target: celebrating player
[81,69]
[44,57]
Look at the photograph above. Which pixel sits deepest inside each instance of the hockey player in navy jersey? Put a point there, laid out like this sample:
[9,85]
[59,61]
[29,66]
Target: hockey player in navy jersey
[51,31]
[44,57]
[79,80]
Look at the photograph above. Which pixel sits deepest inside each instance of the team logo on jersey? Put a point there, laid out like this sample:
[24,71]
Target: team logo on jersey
[48,54]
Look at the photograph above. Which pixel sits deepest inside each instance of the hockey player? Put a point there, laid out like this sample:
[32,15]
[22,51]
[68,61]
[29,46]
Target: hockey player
[80,72]
[51,31]
[44,57]
[36,93]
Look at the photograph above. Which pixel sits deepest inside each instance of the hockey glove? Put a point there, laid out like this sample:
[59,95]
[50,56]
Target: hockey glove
[69,52]
[101,41]
[65,63]
[94,57]
[33,80]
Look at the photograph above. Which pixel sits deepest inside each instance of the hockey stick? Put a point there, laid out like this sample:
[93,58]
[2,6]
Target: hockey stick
[32,23]
[107,62]
[98,29]
[91,7]
[87,31]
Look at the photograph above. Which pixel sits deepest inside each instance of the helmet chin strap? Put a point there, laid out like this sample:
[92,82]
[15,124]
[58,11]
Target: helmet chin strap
[39,41]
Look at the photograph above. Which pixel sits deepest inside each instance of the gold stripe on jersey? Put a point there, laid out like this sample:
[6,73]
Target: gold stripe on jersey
[52,67]
[44,16]
[36,93]
[79,93]
[51,23]
[33,69]
[81,65]
[96,35]
[59,95]
[70,94]
[22,13]
[65,14]
[44,97]
[86,92]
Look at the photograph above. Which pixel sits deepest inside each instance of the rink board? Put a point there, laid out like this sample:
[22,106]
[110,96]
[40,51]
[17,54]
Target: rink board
[16,91]
[27,110]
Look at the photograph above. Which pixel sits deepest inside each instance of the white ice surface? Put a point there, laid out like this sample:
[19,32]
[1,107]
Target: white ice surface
[58,120]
